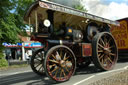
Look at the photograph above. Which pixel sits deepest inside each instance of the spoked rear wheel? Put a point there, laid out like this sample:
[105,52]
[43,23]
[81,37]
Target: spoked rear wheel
[37,61]
[104,49]
[60,63]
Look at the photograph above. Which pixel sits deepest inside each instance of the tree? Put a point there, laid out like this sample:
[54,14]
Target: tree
[11,22]
[80,7]
[8,29]
[20,9]
[11,19]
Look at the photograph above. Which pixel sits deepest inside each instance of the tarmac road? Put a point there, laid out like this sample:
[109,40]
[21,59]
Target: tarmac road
[25,76]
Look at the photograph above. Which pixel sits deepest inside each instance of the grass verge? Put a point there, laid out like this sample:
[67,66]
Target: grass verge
[13,66]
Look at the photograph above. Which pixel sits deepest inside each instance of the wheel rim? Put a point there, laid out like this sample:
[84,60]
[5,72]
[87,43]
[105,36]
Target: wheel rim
[60,64]
[37,62]
[106,51]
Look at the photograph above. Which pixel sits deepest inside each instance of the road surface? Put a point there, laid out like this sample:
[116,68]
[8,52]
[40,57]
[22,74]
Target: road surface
[25,76]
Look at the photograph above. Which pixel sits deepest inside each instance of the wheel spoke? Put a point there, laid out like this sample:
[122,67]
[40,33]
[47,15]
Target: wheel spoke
[99,54]
[56,73]
[100,45]
[102,42]
[105,40]
[108,43]
[52,65]
[40,67]
[101,57]
[109,59]
[61,53]
[102,61]
[109,40]
[37,65]
[58,56]
[53,56]
[113,46]
[54,69]
[39,55]
[66,68]
[112,54]
[100,51]
[37,62]
[64,56]
[108,62]
[64,73]
[38,59]
[105,60]
[61,73]
[54,61]
[104,51]
[68,64]
[60,63]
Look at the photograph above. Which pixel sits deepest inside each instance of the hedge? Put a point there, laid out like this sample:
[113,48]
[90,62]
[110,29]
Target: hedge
[3,61]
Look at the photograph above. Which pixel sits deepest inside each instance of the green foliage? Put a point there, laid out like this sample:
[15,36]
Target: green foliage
[3,63]
[11,19]
[1,51]
[11,22]
[20,9]
[80,7]
[8,29]
[5,7]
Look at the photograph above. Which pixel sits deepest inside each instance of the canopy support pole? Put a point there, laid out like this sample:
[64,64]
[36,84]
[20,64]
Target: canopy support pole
[36,21]
[30,25]
[50,15]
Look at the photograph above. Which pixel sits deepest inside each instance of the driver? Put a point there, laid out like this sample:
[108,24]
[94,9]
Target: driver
[61,31]
[41,27]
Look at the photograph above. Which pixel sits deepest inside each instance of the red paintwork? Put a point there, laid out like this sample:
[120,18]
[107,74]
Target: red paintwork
[86,49]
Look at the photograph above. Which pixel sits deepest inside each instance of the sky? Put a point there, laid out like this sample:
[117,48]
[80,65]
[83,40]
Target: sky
[117,1]
[110,9]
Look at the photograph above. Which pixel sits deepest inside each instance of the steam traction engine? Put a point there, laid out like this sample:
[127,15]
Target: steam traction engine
[70,38]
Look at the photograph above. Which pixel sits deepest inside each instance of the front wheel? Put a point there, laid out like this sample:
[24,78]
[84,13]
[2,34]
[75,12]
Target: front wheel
[104,50]
[60,63]
[36,62]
